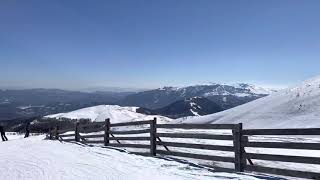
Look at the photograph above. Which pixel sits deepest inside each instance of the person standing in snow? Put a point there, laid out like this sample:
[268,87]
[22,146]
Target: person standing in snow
[27,130]
[3,134]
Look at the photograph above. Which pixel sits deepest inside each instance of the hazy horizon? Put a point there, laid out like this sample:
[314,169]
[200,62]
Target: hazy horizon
[132,89]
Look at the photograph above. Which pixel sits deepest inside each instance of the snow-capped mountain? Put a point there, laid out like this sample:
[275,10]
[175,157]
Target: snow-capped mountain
[197,106]
[297,107]
[116,114]
[226,96]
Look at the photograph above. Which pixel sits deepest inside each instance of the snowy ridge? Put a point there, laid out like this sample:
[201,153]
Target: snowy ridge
[233,95]
[116,114]
[213,89]
[297,107]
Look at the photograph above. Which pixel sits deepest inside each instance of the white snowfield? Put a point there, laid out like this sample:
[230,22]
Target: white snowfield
[38,159]
[297,107]
[117,114]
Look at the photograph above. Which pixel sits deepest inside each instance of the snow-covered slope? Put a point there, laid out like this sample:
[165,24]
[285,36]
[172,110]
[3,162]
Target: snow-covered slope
[115,113]
[297,107]
[37,159]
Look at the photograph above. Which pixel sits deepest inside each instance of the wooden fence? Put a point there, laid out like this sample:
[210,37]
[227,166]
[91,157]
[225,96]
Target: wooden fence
[281,145]
[243,162]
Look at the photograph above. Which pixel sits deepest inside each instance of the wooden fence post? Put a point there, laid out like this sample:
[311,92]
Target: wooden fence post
[238,148]
[57,133]
[153,131]
[106,132]
[77,133]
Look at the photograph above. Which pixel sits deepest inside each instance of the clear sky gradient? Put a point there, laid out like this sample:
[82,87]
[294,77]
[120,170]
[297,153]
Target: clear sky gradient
[151,43]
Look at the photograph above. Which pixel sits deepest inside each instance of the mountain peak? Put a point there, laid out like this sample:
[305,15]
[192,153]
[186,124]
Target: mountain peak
[312,81]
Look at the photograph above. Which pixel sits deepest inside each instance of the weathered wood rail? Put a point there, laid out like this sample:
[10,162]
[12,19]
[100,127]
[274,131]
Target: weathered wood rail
[282,145]
[182,135]
[239,138]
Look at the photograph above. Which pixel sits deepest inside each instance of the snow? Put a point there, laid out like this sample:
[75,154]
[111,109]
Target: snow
[29,106]
[37,159]
[5,101]
[251,90]
[214,93]
[275,164]
[194,112]
[224,99]
[116,114]
[241,94]
[297,107]
[255,89]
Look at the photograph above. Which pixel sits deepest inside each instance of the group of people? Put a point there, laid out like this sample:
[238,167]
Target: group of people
[3,133]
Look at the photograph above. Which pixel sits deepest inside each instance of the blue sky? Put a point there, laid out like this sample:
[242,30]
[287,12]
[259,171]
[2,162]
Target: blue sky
[150,43]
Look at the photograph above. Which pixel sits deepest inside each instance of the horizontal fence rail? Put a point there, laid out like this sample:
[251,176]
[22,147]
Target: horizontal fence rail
[195,136]
[196,126]
[131,123]
[284,158]
[67,135]
[130,145]
[274,132]
[143,131]
[198,156]
[284,172]
[93,136]
[282,145]
[168,144]
[240,139]
[130,138]
[197,146]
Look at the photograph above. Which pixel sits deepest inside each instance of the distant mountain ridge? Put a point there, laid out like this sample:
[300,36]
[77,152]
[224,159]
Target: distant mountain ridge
[38,102]
[226,96]
[197,106]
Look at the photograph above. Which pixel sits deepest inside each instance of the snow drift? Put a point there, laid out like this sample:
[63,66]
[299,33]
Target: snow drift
[116,114]
[297,107]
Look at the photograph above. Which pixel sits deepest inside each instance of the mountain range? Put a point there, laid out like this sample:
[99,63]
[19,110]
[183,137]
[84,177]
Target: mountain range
[38,102]
[226,96]
[294,107]
[168,101]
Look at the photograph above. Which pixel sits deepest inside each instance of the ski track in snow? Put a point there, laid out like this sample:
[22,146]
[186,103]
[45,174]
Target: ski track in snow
[38,159]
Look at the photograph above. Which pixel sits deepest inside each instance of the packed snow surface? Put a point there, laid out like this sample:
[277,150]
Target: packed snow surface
[297,107]
[116,114]
[38,159]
